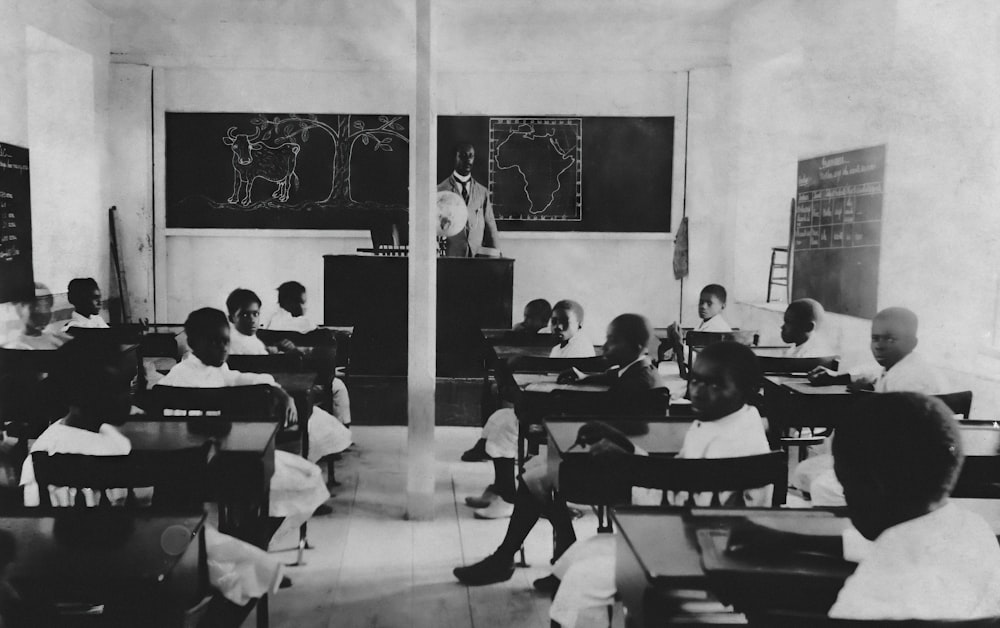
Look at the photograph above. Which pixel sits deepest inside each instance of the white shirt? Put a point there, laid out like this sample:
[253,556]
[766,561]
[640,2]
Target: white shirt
[193,373]
[943,565]
[60,438]
[815,347]
[716,323]
[241,344]
[579,346]
[733,436]
[911,374]
[94,321]
[282,320]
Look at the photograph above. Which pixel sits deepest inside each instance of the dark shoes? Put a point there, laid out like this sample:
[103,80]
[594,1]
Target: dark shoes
[490,570]
[477,453]
[549,584]
[323,510]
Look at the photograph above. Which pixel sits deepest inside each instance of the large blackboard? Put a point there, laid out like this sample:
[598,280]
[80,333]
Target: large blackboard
[568,173]
[308,171]
[16,273]
[838,230]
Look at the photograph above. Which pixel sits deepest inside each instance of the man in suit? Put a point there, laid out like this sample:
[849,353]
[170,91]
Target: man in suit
[480,237]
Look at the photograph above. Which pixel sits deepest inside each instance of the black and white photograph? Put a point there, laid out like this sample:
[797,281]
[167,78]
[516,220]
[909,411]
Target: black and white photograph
[520,314]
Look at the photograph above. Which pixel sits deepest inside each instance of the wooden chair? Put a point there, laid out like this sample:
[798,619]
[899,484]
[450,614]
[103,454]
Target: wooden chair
[958,402]
[699,339]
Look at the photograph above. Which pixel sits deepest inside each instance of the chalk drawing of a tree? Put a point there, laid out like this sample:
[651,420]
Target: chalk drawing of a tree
[346,133]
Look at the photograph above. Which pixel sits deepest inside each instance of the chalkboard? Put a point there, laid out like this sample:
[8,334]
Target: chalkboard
[16,272]
[838,230]
[286,170]
[568,173]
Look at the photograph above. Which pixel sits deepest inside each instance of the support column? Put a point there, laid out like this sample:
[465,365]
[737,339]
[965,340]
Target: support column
[422,288]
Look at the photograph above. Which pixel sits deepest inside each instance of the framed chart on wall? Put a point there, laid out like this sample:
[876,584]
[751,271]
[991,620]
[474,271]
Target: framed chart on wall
[286,171]
[838,230]
[16,270]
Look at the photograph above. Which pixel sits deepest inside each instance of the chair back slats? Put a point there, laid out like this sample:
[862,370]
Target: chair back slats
[773,365]
[247,403]
[584,478]
[178,477]
[271,363]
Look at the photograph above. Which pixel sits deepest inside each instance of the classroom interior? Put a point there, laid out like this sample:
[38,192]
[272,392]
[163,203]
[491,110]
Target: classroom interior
[753,87]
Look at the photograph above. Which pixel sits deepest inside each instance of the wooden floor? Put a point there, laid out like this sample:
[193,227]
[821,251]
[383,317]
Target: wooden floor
[371,568]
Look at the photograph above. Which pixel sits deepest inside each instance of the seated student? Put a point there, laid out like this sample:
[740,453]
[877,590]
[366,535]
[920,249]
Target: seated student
[95,394]
[724,378]
[901,369]
[297,486]
[711,302]
[930,559]
[291,317]
[499,436]
[35,315]
[84,295]
[803,318]
[327,435]
[536,317]
[291,314]
[627,337]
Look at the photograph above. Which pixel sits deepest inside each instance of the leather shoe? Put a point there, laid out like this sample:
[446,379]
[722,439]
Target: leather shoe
[490,570]
[477,453]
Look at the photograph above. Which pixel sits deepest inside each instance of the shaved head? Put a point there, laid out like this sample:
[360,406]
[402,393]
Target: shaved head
[900,318]
[807,310]
[894,335]
[802,317]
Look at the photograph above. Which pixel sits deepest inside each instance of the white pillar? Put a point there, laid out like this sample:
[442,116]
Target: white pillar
[423,288]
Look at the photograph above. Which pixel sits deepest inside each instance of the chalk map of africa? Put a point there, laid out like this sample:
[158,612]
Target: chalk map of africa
[535,168]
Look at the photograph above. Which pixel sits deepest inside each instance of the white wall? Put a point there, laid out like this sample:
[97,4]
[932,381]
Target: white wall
[53,66]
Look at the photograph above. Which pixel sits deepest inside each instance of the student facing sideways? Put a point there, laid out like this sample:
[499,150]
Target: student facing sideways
[632,375]
[536,317]
[500,433]
[291,316]
[724,378]
[800,328]
[97,394]
[929,559]
[84,295]
[537,320]
[711,303]
[327,435]
[901,369]
[35,315]
[297,486]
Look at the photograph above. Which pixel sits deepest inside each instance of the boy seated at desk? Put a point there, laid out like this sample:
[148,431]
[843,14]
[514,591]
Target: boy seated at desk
[327,435]
[711,303]
[35,315]
[800,328]
[97,392]
[900,369]
[929,559]
[632,375]
[724,378]
[291,316]
[84,295]
[499,436]
[297,486]
[536,317]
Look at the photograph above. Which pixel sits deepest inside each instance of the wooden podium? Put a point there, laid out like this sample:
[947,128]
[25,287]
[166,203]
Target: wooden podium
[369,293]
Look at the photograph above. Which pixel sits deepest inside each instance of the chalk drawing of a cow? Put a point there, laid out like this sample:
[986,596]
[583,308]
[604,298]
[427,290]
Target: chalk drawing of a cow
[252,160]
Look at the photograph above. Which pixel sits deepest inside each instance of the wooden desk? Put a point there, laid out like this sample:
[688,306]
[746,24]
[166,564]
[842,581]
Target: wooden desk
[143,568]
[507,352]
[663,550]
[547,383]
[792,402]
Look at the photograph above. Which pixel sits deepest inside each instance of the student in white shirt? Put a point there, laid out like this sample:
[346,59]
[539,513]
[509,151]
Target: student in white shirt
[711,303]
[327,435]
[297,486]
[501,429]
[800,328]
[291,316]
[901,369]
[95,390]
[930,559]
[35,315]
[724,377]
[84,295]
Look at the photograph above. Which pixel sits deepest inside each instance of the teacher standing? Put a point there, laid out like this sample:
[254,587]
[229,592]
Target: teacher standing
[479,237]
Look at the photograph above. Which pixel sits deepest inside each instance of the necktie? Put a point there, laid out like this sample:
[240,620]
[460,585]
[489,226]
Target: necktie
[465,191]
